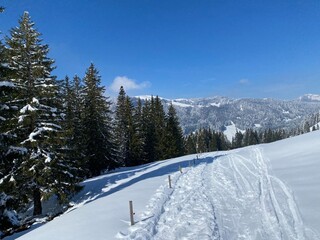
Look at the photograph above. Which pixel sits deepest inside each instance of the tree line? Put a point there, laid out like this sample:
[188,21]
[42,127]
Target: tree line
[208,140]
[55,133]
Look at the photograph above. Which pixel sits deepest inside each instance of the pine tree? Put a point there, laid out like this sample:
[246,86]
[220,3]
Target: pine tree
[148,129]
[173,135]
[6,91]
[127,132]
[37,156]
[8,216]
[77,135]
[134,143]
[121,128]
[99,145]
[237,140]
[159,120]
[139,134]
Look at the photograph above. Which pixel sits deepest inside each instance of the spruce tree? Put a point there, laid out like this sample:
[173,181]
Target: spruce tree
[127,135]
[237,140]
[173,135]
[121,128]
[77,134]
[148,128]
[37,154]
[98,145]
[134,143]
[8,216]
[139,134]
[159,119]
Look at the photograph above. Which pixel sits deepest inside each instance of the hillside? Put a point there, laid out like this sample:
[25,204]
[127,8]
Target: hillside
[266,191]
[220,112]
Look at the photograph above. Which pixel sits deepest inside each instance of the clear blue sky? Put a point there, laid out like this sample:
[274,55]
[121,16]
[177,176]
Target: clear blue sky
[182,49]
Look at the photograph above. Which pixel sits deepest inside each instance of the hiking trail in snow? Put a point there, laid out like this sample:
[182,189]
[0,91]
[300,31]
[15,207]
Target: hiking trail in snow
[231,197]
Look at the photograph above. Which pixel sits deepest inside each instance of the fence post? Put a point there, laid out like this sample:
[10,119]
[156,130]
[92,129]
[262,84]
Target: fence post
[131,213]
[169,181]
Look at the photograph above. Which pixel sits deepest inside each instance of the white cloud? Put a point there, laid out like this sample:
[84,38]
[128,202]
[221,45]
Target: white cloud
[127,83]
[244,81]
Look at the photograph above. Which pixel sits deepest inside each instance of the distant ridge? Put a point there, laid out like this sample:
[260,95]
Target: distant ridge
[220,112]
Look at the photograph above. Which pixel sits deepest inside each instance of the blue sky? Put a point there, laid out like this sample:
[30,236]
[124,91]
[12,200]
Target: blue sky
[183,49]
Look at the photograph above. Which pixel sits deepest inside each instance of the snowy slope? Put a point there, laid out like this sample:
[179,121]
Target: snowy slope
[217,112]
[231,130]
[266,191]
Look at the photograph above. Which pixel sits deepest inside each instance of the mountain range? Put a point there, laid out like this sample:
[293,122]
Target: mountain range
[221,113]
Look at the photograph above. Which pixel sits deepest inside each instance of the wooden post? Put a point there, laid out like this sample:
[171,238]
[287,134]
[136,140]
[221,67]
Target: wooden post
[180,169]
[131,213]
[169,181]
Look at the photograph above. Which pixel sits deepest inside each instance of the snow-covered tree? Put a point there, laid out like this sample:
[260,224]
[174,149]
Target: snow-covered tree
[8,216]
[97,126]
[39,168]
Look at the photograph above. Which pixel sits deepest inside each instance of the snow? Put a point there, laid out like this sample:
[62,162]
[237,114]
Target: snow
[174,103]
[215,104]
[6,84]
[316,126]
[231,131]
[310,97]
[27,108]
[19,150]
[34,100]
[37,132]
[147,97]
[268,191]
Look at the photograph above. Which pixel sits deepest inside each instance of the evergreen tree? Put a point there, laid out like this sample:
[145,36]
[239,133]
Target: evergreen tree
[173,135]
[148,128]
[77,134]
[8,216]
[190,144]
[158,117]
[122,128]
[99,145]
[134,141]
[128,130]
[6,90]
[37,155]
[237,140]
[140,137]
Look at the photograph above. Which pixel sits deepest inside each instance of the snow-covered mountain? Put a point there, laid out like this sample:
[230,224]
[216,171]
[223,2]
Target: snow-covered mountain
[220,112]
[310,98]
[268,191]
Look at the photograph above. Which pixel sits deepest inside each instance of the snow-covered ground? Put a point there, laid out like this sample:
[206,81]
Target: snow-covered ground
[266,191]
[231,130]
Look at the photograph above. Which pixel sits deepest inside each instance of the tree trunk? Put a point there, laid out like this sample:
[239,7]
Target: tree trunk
[37,207]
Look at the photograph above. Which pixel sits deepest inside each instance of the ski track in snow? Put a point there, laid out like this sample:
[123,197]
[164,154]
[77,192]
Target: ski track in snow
[234,197]
[185,212]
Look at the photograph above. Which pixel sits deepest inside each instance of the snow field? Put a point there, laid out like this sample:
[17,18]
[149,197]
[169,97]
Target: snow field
[232,197]
[268,191]
[251,203]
